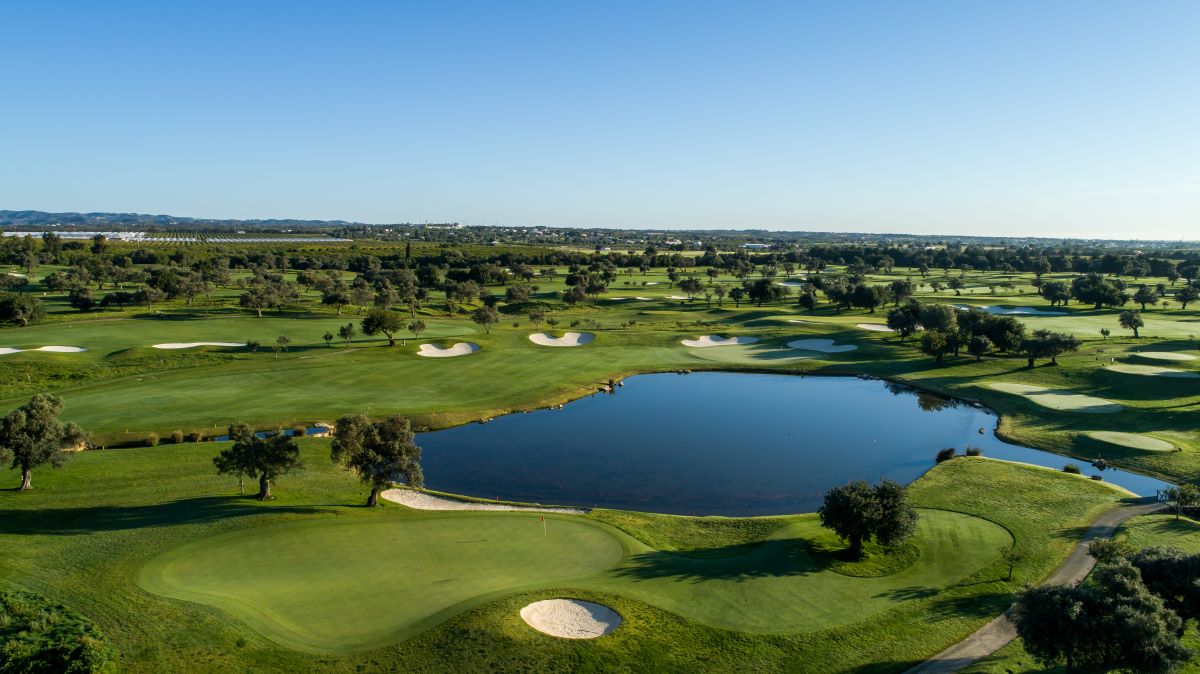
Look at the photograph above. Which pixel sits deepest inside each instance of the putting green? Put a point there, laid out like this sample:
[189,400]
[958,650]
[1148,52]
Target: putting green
[337,586]
[749,354]
[332,586]
[1057,399]
[1132,441]
[1164,355]
[1153,371]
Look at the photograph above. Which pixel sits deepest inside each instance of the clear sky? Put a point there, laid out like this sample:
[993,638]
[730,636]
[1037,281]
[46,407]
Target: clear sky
[1044,117]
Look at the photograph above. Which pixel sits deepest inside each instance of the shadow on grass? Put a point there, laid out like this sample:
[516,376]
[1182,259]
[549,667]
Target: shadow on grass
[768,559]
[71,521]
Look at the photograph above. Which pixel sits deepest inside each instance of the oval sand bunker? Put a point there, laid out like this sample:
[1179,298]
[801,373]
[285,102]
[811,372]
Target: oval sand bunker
[716,340]
[459,349]
[1154,371]
[1133,441]
[874,327]
[571,618]
[192,345]
[568,339]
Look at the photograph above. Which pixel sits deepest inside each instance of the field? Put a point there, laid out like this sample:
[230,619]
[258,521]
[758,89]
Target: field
[182,574]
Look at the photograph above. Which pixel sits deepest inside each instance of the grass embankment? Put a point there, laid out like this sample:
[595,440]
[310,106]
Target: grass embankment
[90,530]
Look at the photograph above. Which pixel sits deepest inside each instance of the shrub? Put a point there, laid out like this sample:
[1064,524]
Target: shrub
[1098,477]
[974,451]
[177,437]
[152,440]
[945,454]
[37,635]
[1071,468]
[195,436]
[299,431]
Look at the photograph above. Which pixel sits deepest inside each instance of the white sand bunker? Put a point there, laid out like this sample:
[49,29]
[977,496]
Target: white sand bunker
[192,345]
[642,299]
[459,349]
[1154,371]
[874,327]
[568,339]
[1132,440]
[822,345]
[571,618]
[1164,355]
[717,340]
[1057,399]
[4,351]
[422,501]
[676,297]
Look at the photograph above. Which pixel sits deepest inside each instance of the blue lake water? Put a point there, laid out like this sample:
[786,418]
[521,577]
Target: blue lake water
[720,444]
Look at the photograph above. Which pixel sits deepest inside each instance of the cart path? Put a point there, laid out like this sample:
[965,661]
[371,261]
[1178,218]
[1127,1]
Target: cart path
[996,634]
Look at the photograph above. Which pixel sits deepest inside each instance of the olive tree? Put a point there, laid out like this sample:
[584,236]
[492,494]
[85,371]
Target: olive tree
[859,512]
[32,435]
[380,452]
[383,321]
[258,458]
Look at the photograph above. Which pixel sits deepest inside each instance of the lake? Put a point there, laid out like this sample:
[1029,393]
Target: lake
[720,444]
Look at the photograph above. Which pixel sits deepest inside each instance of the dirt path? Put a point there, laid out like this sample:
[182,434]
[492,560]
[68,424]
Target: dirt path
[996,634]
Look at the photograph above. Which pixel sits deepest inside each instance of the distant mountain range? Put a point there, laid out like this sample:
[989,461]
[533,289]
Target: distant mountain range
[119,221]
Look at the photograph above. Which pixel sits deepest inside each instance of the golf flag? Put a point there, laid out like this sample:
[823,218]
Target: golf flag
[544,532]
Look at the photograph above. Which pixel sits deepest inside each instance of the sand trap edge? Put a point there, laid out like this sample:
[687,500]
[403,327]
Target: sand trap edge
[571,618]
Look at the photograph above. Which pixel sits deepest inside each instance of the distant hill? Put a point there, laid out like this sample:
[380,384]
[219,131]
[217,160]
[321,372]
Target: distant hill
[122,221]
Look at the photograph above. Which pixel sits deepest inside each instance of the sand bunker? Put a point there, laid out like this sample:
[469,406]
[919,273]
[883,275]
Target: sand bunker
[568,339]
[1164,355]
[874,327]
[642,299]
[192,345]
[1058,399]
[1133,441]
[1010,311]
[1153,371]
[422,501]
[4,351]
[459,349]
[717,340]
[676,297]
[571,618]
[822,345]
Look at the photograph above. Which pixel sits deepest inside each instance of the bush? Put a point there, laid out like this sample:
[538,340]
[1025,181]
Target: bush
[946,454]
[1098,477]
[152,440]
[974,451]
[195,436]
[177,437]
[39,636]
[299,431]
[1071,468]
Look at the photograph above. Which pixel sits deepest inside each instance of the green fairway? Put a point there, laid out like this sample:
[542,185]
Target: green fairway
[414,573]
[404,574]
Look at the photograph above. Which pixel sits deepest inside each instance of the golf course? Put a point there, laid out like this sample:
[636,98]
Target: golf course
[179,568]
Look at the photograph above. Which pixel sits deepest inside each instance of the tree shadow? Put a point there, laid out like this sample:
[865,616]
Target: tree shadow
[768,559]
[909,593]
[975,606]
[72,521]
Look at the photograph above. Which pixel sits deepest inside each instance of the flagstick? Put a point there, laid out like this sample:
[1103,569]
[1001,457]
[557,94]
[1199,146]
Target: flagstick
[544,532]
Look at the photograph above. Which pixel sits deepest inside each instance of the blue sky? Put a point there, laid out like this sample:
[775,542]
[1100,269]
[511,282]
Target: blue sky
[1013,117]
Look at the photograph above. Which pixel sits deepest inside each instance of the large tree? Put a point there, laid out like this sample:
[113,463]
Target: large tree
[858,512]
[23,310]
[32,435]
[1096,290]
[383,321]
[487,317]
[380,452]
[1131,320]
[258,458]
[1110,622]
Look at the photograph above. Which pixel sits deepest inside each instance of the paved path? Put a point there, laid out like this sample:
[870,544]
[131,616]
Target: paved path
[996,634]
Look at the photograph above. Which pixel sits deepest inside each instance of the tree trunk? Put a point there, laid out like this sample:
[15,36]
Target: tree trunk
[26,478]
[391,340]
[264,487]
[373,499]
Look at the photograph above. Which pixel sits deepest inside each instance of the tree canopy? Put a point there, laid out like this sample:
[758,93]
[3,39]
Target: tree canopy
[380,452]
[261,458]
[859,512]
[32,435]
